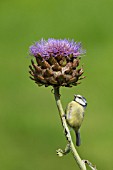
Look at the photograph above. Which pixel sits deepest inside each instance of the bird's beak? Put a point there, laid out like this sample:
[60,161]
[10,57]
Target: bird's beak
[75,96]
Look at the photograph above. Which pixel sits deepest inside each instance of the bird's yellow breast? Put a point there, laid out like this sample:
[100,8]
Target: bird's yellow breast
[74,114]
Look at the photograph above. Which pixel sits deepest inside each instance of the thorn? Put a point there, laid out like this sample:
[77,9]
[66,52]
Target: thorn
[32,62]
[52,91]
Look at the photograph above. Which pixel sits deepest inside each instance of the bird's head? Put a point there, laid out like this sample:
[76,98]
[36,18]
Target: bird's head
[80,99]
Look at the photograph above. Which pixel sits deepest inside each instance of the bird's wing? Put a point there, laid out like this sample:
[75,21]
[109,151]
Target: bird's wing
[69,110]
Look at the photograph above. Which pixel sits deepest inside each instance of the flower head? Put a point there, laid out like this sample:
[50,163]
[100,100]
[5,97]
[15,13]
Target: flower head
[57,61]
[56,47]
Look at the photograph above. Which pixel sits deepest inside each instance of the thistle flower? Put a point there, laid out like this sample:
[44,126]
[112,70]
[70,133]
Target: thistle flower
[56,62]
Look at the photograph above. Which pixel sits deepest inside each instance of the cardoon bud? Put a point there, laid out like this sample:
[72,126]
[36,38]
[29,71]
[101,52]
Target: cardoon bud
[57,62]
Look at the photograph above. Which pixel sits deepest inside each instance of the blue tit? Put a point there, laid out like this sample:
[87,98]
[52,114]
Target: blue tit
[75,115]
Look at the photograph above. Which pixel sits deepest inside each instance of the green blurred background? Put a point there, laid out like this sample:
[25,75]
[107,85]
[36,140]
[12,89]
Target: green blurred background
[30,127]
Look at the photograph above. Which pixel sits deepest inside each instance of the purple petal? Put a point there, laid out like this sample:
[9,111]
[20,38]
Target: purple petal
[56,47]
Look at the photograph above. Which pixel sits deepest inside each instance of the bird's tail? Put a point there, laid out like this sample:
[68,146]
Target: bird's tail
[78,140]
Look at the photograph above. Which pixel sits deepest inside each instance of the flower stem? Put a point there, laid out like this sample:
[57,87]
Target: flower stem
[80,163]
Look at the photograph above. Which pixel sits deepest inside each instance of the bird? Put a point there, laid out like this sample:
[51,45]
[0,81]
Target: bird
[75,114]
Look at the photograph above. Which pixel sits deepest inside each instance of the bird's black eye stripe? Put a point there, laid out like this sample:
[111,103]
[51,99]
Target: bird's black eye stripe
[79,97]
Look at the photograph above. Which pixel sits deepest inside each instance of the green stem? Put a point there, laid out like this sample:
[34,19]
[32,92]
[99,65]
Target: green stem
[80,163]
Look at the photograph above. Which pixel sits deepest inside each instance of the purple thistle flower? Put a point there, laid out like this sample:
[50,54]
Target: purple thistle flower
[56,47]
[56,62]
